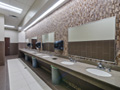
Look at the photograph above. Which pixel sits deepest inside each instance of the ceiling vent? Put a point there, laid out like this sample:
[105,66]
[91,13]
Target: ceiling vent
[13,16]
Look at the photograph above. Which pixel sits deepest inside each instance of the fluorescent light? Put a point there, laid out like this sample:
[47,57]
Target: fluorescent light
[10,8]
[45,13]
[9,26]
[19,28]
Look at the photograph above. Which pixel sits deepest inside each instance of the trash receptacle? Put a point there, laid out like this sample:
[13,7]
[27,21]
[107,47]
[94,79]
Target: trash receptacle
[34,62]
[56,77]
[26,57]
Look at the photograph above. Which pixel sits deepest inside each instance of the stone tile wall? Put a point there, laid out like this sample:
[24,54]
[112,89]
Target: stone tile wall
[74,13]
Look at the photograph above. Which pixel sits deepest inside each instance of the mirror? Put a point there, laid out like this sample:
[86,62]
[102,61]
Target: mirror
[48,42]
[93,40]
[27,41]
[33,41]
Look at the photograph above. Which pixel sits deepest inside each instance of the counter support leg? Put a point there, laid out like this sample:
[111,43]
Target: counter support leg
[56,77]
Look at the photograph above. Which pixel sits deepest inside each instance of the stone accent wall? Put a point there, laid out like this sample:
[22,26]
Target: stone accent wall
[74,13]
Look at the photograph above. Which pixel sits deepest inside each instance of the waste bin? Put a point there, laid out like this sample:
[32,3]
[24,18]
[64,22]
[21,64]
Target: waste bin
[26,57]
[34,62]
[56,77]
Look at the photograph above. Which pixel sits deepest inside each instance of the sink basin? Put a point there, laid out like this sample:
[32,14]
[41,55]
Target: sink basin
[38,54]
[31,52]
[45,56]
[98,72]
[54,58]
[67,62]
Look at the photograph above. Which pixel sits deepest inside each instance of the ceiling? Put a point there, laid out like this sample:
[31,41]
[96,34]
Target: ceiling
[32,9]
[23,4]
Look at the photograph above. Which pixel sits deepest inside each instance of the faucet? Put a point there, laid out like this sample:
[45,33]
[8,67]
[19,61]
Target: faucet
[70,58]
[100,66]
[109,69]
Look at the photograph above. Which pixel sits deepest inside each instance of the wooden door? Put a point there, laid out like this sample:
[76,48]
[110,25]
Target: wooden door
[33,43]
[7,46]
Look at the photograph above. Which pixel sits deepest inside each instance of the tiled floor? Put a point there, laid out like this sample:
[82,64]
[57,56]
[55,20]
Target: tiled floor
[21,77]
[4,80]
[2,77]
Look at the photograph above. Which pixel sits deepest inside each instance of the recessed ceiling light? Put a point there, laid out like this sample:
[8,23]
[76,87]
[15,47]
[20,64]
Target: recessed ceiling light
[45,13]
[19,28]
[10,8]
[9,26]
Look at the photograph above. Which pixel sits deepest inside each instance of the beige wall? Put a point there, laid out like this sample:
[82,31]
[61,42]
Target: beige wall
[99,30]
[2,33]
[12,34]
[21,37]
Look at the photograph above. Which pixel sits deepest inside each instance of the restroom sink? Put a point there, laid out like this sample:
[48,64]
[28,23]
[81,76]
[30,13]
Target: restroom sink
[67,62]
[98,72]
[38,54]
[45,56]
[31,52]
[54,58]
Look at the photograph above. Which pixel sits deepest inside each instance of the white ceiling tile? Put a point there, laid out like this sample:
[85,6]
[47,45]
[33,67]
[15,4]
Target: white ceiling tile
[17,4]
[5,1]
[23,4]
[30,2]
[23,1]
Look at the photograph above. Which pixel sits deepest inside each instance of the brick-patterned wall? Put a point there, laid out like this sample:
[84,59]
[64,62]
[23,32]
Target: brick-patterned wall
[74,13]
[103,50]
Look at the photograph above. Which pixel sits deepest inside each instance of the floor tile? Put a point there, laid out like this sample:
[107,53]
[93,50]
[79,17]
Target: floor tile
[35,86]
[22,78]
[24,88]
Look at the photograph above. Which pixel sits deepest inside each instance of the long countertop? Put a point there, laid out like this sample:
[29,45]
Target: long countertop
[79,70]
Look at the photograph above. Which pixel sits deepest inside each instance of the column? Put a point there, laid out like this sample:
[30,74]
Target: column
[2,42]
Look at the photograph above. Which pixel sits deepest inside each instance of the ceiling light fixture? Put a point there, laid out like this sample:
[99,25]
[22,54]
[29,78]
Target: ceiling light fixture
[9,26]
[10,8]
[19,28]
[45,13]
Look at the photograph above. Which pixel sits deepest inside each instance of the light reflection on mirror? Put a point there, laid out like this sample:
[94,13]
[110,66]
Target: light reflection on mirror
[93,40]
[48,42]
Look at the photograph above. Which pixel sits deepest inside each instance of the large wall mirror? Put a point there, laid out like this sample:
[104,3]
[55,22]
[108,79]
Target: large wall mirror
[48,42]
[93,40]
[32,41]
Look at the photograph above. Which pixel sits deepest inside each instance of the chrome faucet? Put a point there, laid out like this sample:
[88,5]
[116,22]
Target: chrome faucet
[100,66]
[109,69]
[71,59]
